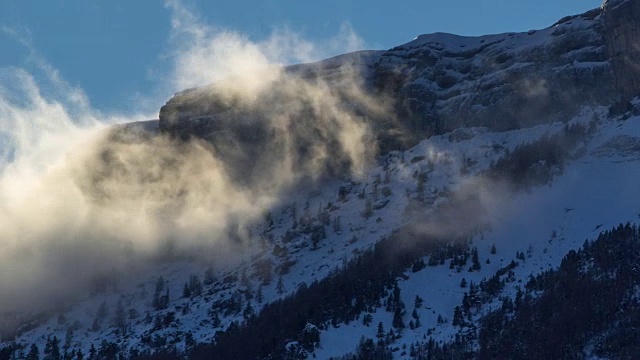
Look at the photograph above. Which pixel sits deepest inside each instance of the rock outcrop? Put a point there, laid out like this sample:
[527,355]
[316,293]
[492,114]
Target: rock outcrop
[622,36]
[443,82]
[438,83]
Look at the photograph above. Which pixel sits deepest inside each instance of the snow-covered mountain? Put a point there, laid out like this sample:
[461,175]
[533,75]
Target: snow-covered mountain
[440,82]
[495,157]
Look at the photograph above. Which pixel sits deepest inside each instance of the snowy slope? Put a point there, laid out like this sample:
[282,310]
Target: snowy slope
[545,223]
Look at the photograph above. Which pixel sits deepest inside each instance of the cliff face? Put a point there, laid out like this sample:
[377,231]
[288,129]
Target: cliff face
[443,82]
[440,82]
[308,119]
[622,36]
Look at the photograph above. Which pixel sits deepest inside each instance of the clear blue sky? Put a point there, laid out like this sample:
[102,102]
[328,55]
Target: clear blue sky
[114,49]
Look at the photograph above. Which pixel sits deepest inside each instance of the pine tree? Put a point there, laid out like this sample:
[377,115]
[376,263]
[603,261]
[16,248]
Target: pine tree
[458,320]
[215,319]
[421,179]
[380,334]
[248,310]
[244,279]
[119,319]
[259,296]
[52,349]
[34,353]
[67,344]
[337,226]
[418,302]
[368,209]
[398,323]
[280,286]
[108,350]
[268,220]
[391,336]
[195,286]
[189,341]
[366,349]
[157,302]
[186,293]
[367,319]
[209,276]
[396,295]
[518,300]
[412,350]
[100,316]
[294,216]
[475,260]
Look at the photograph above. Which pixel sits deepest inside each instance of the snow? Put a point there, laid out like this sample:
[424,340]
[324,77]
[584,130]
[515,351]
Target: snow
[612,4]
[506,42]
[595,192]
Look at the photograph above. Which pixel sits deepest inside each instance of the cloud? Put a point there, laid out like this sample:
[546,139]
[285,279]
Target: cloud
[82,195]
[73,97]
[206,54]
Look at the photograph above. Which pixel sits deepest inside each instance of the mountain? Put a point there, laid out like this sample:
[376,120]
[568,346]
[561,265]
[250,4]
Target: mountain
[440,82]
[452,197]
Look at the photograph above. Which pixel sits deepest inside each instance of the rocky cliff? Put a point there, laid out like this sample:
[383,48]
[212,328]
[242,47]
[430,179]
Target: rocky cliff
[433,84]
[622,38]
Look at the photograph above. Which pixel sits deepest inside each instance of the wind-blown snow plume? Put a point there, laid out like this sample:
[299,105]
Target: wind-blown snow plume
[79,200]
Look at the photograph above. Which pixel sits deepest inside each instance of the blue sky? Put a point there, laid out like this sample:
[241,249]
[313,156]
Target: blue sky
[119,51]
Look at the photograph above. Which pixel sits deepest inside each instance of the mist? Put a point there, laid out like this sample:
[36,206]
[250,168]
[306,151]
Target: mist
[82,195]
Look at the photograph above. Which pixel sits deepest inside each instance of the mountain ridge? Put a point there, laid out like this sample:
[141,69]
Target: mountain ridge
[507,140]
[434,84]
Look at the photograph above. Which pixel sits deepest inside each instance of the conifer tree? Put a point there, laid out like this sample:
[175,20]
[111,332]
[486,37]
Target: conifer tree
[280,286]
[209,276]
[34,353]
[186,293]
[119,318]
[52,349]
[457,316]
[259,296]
[398,323]
[380,334]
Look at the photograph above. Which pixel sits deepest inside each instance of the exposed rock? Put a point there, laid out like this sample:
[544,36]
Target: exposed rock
[621,145]
[309,120]
[437,83]
[501,81]
[622,18]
